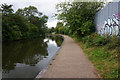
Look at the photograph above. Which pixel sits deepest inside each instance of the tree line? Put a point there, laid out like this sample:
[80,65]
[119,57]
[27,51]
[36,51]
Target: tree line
[76,18]
[24,23]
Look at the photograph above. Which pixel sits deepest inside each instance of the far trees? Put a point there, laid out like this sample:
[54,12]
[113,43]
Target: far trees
[24,23]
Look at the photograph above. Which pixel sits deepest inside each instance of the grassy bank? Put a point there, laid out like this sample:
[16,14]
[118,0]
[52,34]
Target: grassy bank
[103,52]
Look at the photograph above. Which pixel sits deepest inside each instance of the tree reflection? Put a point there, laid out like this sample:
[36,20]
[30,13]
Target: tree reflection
[58,39]
[29,52]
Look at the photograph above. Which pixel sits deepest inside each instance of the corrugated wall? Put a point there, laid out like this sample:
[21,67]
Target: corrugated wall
[107,19]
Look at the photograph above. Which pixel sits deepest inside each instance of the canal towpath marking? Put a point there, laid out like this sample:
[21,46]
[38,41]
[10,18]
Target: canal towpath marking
[71,62]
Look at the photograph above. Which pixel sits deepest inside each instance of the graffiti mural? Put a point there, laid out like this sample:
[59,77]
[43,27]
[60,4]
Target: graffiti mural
[111,26]
[117,16]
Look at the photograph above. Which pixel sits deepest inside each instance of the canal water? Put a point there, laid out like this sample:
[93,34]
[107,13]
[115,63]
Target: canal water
[26,58]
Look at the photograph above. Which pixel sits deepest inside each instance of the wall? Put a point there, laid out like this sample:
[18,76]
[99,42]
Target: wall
[107,20]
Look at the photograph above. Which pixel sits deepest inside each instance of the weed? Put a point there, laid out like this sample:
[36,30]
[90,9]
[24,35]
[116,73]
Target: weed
[53,59]
[103,57]
[50,64]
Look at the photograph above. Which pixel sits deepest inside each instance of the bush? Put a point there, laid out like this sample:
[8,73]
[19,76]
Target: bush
[15,33]
[89,42]
[95,40]
[84,39]
[87,28]
[115,40]
[118,50]
[111,46]
[100,41]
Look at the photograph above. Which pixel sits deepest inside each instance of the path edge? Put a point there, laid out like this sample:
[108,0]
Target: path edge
[96,71]
[41,73]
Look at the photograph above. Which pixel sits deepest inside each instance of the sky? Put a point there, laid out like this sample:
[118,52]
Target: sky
[47,7]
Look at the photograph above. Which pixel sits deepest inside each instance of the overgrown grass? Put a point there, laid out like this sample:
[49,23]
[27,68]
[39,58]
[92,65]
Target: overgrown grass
[103,56]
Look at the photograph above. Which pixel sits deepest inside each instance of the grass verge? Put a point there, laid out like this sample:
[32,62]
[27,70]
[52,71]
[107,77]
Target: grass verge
[104,60]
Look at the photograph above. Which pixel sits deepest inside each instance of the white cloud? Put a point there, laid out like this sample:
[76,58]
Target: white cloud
[47,7]
[52,23]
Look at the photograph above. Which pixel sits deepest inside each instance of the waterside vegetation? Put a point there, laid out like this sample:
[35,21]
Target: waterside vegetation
[22,24]
[77,21]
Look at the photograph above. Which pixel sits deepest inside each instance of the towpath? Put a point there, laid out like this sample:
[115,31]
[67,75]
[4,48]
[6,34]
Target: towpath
[71,62]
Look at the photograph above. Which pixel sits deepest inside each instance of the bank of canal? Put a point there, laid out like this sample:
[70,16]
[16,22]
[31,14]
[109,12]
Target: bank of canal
[26,58]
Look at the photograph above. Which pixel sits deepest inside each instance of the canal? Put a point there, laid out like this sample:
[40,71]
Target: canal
[26,58]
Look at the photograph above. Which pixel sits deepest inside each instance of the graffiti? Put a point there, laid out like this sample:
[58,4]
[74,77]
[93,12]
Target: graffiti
[117,16]
[111,26]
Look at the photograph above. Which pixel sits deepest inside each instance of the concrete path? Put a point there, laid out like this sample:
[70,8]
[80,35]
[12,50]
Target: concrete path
[71,62]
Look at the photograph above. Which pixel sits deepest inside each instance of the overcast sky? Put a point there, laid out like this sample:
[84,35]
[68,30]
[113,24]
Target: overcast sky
[47,7]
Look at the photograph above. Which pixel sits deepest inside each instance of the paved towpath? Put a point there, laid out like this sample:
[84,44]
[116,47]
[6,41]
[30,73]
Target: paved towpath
[71,62]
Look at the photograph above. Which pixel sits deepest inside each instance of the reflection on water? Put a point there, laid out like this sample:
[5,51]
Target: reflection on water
[26,58]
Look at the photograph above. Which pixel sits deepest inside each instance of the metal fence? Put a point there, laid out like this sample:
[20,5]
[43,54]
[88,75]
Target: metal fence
[107,20]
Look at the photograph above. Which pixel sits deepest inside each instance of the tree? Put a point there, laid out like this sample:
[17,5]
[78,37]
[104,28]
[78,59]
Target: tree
[30,11]
[24,23]
[20,12]
[59,24]
[77,15]
[6,9]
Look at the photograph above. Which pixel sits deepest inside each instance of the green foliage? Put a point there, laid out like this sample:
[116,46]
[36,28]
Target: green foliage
[99,54]
[110,42]
[95,40]
[78,16]
[23,23]
[59,24]
[118,51]
[6,9]
[16,33]
[89,42]
[111,46]
[52,30]
[87,28]
[100,41]
[84,39]
[114,43]
[116,40]
[105,61]
[66,30]
[61,29]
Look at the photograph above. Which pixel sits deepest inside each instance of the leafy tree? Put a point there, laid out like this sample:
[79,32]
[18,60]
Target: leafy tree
[59,24]
[52,29]
[20,12]
[30,11]
[24,23]
[6,9]
[77,15]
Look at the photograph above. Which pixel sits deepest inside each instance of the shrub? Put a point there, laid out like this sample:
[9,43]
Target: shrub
[115,40]
[100,41]
[15,33]
[97,40]
[87,28]
[118,50]
[111,45]
[89,42]
[84,39]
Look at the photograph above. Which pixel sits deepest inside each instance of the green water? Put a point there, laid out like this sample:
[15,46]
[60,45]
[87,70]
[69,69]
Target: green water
[26,58]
